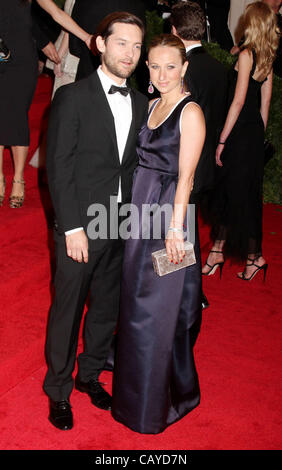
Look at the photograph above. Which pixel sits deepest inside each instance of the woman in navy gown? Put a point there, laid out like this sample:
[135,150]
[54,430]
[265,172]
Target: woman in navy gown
[155,380]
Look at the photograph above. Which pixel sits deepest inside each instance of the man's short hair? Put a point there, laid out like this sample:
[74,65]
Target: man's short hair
[105,28]
[189,20]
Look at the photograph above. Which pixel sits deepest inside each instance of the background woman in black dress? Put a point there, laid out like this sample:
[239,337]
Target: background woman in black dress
[237,203]
[18,82]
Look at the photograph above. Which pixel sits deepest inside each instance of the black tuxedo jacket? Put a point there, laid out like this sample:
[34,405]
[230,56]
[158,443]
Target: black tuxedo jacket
[207,81]
[88,14]
[83,164]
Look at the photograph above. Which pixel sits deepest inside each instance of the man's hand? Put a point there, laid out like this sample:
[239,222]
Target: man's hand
[77,246]
[51,52]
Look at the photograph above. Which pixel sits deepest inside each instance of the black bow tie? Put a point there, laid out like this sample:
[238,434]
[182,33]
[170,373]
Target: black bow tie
[124,90]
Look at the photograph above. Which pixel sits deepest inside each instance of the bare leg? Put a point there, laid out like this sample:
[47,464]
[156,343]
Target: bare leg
[19,156]
[1,162]
[214,258]
[250,267]
[2,179]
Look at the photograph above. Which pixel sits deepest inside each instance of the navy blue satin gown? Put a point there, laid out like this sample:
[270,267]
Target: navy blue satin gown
[155,381]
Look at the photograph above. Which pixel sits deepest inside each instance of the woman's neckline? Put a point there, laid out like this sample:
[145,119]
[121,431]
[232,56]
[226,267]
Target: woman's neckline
[169,114]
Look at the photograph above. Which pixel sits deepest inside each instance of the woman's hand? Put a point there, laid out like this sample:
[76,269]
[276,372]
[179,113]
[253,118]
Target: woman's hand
[218,153]
[175,246]
[57,70]
[50,51]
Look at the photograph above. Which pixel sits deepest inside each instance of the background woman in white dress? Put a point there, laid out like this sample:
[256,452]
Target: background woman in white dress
[237,7]
[64,72]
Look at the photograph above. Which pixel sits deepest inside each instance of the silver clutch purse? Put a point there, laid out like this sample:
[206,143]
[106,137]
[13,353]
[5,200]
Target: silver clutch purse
[162,265]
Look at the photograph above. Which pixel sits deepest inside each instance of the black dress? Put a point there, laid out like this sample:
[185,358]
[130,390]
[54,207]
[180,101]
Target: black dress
[18,77]
[236,207]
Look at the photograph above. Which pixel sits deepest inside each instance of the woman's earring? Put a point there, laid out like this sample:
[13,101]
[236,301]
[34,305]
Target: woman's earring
[151,88]
[182,85]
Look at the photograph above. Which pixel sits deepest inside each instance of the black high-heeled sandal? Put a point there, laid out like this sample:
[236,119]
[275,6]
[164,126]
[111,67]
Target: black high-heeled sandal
[215,266]
[259,268]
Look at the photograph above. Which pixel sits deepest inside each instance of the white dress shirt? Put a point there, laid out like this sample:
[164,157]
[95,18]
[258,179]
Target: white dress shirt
[188,48]
[121,108]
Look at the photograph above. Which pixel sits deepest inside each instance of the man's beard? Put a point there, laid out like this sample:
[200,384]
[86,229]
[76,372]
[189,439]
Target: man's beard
[115,70]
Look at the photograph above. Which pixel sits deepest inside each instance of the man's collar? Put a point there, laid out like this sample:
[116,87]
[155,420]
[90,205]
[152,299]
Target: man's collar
[189,48]
[107,81]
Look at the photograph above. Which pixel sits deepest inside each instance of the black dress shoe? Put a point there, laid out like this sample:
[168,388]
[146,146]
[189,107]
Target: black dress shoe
[205,303]
[98,395]
[61,414]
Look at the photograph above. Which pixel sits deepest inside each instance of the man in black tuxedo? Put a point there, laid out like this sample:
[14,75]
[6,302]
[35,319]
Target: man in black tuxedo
[207,81]
[91,157]
[88,14]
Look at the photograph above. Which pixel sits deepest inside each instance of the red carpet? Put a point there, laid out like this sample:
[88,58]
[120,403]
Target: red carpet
[237,353]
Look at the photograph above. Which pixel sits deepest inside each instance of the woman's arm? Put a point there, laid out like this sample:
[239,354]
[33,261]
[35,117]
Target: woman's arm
[245,63]
[64,20]
[193,132]
[266,92]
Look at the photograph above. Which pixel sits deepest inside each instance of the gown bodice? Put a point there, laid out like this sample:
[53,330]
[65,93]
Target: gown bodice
[158,148]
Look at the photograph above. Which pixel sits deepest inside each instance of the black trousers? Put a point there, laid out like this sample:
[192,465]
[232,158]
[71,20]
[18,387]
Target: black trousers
[100,279]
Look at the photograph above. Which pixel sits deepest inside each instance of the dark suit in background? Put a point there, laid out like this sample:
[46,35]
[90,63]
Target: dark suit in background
[88,14]
[83,168]
[207,81]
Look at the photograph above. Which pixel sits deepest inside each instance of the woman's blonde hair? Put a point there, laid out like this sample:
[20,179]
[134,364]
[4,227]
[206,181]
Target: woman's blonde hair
[261,34]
